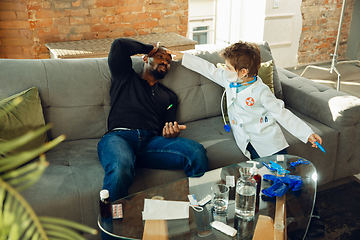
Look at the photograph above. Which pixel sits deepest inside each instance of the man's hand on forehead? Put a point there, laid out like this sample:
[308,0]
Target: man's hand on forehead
[158,47]
[155,44]
[155,49]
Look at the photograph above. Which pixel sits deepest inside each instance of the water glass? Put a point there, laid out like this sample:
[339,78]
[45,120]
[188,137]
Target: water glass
[220,201]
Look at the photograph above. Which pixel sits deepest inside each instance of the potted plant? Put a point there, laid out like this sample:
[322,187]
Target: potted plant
[19,171]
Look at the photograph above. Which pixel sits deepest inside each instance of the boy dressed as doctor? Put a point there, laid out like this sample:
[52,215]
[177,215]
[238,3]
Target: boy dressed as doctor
[254,112]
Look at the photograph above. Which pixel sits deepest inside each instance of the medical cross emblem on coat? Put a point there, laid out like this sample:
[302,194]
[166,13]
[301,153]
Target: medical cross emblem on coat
[250,101]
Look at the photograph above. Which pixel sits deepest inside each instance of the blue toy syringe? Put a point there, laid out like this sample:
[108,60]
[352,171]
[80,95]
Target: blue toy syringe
[319,146]
[276,167]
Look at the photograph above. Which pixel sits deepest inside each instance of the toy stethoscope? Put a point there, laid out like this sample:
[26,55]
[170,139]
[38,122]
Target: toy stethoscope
[232,85]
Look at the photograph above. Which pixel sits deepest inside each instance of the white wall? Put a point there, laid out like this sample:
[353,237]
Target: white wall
[202,13]
[252,20]
[240,19]
[200,8]
[256,21]
[223,22]
[282,30]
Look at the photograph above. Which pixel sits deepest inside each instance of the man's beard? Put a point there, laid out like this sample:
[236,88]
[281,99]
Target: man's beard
[159,74]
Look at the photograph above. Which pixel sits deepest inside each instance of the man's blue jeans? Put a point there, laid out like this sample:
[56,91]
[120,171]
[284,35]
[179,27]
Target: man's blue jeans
[121,151]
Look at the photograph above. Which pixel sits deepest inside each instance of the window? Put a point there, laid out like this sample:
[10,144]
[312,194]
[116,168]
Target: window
[200,34]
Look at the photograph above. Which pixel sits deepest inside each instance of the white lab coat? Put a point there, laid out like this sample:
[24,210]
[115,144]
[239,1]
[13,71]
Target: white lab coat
[254,113]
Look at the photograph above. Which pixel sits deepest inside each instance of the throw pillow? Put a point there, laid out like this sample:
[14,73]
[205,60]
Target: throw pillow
[266,74]
[24,117]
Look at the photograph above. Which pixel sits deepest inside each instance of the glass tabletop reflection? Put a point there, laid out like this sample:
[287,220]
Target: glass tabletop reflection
[299,204]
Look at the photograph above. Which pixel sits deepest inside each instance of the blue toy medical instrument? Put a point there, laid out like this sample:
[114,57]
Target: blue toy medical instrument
[226,127]
[299,161]
[319,146]
[275,167]
[282,184]
[232,85]
[235,85]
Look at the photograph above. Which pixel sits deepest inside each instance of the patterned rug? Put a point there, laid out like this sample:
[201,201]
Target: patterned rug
[339,208]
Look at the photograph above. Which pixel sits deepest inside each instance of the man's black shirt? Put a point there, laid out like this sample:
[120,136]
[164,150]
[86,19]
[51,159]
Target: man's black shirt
[134,103]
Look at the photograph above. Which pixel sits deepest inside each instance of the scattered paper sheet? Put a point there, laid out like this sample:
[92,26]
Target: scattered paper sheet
[165,210]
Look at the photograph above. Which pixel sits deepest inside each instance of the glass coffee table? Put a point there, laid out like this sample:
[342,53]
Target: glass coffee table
[299,205]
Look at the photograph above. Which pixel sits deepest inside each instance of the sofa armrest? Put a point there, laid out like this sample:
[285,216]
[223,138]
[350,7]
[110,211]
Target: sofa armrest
[333,108]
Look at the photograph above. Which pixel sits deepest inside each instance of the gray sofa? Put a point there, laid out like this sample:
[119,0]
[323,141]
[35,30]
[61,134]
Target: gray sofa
[75,98]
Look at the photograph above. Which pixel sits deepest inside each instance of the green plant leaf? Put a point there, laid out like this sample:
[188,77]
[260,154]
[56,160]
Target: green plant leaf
[20,171]
[12,221]
[17,219]
[23,157]
[8,146]
[70,234]
[8,106]
[27,175]
[68,223]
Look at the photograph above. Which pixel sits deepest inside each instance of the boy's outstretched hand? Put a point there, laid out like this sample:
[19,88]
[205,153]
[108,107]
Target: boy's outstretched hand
[313,138]
[172,130]
[177,55]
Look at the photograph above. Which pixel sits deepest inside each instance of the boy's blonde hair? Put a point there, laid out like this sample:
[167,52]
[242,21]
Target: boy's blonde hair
[244,55]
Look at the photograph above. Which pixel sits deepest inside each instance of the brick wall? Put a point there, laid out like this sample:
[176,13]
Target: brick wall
[26,25]
[320,26]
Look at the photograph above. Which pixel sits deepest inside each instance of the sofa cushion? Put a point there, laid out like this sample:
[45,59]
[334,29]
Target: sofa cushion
[325,169]
[14,80]
[198,96]
[221,147]
[78,92]
[26,116]
[70,185]
[71,90]
[267,56]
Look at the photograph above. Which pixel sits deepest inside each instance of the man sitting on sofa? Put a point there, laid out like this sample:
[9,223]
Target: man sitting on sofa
[142,127]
